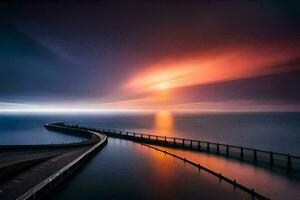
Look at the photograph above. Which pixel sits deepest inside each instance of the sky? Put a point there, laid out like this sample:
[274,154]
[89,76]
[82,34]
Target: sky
[181,56]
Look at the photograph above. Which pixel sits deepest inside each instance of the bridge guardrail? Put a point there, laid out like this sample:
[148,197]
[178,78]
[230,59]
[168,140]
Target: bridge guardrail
[281,160]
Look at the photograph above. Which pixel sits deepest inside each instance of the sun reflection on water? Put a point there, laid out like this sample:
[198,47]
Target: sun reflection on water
[164,123]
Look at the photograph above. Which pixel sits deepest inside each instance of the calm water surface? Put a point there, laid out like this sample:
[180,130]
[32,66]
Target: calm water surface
[126,163]
[268,131]
[127,170]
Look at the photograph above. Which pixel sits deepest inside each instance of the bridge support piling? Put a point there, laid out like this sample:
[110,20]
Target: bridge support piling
[242,153]
[227,150]
[254,155]
[271,158]
[289,162]
[199,146]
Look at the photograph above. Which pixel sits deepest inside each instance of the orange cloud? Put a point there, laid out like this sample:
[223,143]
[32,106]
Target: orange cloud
[227,64]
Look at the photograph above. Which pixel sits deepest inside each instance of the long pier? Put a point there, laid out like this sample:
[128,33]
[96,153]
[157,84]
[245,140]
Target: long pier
[251,155]
[74,160]
[145,139]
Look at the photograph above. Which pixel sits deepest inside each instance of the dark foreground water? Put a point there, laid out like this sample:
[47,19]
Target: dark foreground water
[125,169]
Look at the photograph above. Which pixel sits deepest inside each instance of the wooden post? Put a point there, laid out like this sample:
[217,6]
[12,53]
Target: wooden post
[252,192]
[255,155]
[182,142]
[174,139]
[156,138]
[218,148]
[134,135]
[141,136]
[149,137]
[289,162]
[227,150]
[271,158]
[242,153]
[191,144]
[199,146]
[126,133]
[208,147]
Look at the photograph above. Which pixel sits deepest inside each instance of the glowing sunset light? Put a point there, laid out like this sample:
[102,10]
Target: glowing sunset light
[163,86]
[199,69]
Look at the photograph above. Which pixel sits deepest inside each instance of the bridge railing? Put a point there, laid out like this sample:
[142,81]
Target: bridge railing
[287,161]
[58,176]
[144,138]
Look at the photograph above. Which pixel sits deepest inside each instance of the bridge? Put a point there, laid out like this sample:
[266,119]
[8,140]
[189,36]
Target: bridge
[287,162]
[37,176]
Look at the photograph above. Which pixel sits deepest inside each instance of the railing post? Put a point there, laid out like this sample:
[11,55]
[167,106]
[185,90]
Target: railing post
[218,148]
[191,144]
[134,135]
[165,139]
[127,133]
[156,138]
[271,158]
[242,152]
[255,155]
[199,146]
[174,140]
[183,142]
[148,137]
[208,147]
[289,162]
[227,150]
[252,192]
[142,136]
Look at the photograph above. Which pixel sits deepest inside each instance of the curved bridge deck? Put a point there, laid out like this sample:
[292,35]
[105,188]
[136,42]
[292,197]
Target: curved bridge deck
[39,179]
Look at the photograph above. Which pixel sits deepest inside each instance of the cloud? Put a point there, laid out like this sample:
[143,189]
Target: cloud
[226,64]
[146,55]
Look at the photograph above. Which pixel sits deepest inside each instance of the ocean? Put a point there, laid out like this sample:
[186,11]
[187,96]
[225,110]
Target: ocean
[124,169]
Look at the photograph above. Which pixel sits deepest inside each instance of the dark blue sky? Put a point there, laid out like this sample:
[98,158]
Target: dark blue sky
[85,53]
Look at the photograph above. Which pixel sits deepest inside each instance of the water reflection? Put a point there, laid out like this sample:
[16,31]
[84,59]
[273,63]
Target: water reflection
[133,171]
[164,123]
[278,187]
